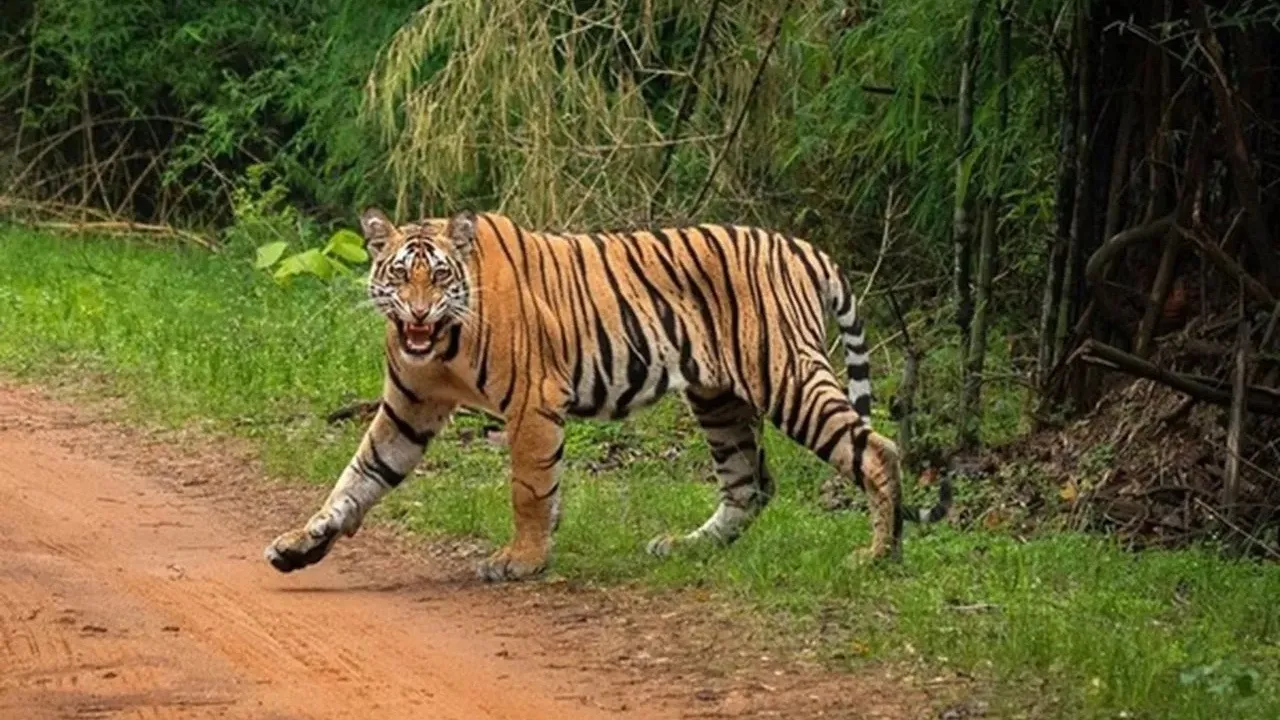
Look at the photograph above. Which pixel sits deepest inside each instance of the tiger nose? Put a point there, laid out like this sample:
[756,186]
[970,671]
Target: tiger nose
[419,315]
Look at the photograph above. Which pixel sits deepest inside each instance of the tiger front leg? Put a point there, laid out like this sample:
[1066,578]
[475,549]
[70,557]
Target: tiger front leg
[392,447]
[537,444]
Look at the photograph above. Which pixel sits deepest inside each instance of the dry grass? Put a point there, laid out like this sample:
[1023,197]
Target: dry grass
[545,105]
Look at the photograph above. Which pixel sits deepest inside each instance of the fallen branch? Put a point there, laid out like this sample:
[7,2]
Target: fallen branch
[1096,353]
[1231,267]
[1239,530]
[123,227]
[360,410]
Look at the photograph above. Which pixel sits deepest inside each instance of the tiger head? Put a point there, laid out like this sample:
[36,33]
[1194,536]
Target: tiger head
[419,276]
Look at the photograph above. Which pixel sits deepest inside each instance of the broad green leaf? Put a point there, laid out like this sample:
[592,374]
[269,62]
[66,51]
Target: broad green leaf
[348,246]
[269,254]
[336,267]
[291,266]
[314,262]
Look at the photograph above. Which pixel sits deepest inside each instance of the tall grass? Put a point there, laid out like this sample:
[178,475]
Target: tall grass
[561,114]
[1058,625]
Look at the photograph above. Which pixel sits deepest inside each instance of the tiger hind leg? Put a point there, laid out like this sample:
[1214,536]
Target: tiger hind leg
[732,428]
[828,425]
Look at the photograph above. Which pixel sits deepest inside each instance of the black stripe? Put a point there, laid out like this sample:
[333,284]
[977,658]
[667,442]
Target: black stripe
[555,458]
[688,363]
[455,342]
[502,244]
[410,395]
[704,307]
[805,427]
[846,298]
[703,405]
[552,416]
[505,402]
[859,445]
[765,341]
[562,292]
[824,451]
[381,470]
[552,491]
[605,367]
[731,297]
[666,316]
[721,453]
[860,371]
[664,381]
[815,282]
[779,404]
[417,437]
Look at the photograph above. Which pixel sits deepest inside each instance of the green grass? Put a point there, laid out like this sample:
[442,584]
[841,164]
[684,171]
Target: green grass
[1067,622]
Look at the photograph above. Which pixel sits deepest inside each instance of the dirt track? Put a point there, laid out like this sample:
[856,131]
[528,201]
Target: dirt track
[126,591]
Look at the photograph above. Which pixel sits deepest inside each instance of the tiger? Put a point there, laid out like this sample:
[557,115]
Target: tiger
[536,327]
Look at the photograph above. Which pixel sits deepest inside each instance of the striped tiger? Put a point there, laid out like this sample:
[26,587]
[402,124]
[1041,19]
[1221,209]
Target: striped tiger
[535,327]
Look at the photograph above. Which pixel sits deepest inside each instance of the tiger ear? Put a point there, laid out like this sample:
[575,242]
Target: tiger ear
[462,232]
[376,228]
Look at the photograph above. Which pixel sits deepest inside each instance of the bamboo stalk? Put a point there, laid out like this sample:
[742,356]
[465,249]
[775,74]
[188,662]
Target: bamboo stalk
[1235,428]
[962,220]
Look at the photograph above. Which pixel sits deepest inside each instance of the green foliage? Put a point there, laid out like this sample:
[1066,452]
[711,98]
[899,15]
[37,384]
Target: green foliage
[561,113]
[210,89]
[261,213]
[324,263]
[1061,625]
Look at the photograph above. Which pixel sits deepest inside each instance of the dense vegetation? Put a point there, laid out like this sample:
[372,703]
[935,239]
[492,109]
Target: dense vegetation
[946,144]
[1048,190]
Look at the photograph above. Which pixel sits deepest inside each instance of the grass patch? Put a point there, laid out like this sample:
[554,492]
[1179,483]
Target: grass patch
[1068,622]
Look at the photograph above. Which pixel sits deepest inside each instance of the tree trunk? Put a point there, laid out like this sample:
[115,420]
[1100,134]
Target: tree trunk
[1242,178]
[1046,358]
[971,393]
[962,219]
[1082,204]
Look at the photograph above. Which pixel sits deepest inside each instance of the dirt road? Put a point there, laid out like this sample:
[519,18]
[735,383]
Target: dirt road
[135,588]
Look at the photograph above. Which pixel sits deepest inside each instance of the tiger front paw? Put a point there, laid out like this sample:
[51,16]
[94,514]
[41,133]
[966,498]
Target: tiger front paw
[511,564]
[662,545]
[297,549]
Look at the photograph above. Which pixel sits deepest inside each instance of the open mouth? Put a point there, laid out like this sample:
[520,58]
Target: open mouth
[417,338]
